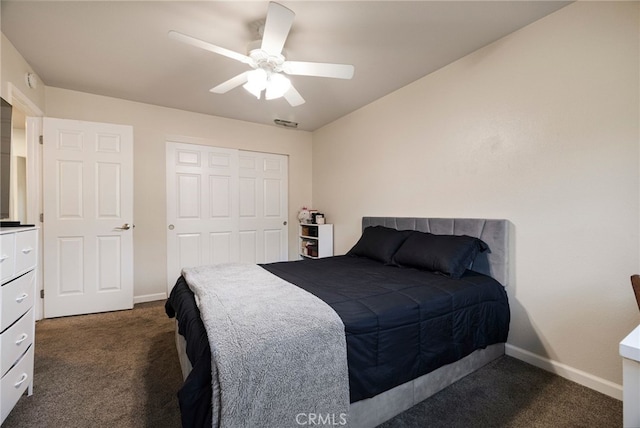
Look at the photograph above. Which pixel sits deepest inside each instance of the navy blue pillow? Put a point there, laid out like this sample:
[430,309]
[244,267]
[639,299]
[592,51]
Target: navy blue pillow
[450,255]
[379,243]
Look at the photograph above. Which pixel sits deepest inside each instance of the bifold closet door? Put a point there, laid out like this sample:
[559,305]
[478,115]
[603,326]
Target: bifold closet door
[224,205]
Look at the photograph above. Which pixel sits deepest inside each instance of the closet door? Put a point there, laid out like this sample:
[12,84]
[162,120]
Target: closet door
[224,205]
[263,207]
[202,206]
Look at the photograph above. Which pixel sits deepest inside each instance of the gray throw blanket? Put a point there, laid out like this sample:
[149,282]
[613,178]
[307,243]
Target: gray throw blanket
[278,352]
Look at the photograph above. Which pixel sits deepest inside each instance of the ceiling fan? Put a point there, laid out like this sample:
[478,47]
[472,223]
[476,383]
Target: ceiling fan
[267,62]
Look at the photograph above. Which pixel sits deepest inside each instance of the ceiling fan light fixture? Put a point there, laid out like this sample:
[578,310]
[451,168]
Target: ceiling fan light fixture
[256,82]
[277,86]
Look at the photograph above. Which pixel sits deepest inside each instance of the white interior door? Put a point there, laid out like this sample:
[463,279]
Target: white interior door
[224,205]
[88,217]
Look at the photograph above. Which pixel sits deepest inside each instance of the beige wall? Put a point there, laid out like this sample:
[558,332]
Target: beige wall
[151,126]
[540,128]
[13,69]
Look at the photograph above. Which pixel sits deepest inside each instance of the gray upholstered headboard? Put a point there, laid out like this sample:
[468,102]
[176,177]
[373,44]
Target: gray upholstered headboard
[495,233]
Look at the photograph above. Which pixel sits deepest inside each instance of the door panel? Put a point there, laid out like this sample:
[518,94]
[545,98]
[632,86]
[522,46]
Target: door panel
[248,197]
[272,245]
[108,190]
[248,246]
[189,250]
[272,198]
[220,196]
[87,199]
[108,263]
[71,266]
[220,247]
[70,192]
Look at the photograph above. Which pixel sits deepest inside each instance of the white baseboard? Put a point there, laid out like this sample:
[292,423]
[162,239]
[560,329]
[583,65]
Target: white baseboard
[578,376]
[149,298]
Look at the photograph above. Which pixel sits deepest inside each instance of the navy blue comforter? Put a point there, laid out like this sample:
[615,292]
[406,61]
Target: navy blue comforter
[400,323]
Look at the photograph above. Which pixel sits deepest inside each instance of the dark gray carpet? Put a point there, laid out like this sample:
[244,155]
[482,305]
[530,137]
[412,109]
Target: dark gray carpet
[117,369]
[510,393]
[121,370]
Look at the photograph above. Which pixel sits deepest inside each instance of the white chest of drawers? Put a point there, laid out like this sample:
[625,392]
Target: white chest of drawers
[18,261]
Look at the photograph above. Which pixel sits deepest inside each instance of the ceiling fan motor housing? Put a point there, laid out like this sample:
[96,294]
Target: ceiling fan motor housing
[266,61]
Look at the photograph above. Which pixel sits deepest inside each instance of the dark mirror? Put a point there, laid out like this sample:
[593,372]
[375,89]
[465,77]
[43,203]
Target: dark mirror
[5,164]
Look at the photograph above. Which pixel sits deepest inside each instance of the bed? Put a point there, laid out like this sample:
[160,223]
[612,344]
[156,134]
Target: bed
[414,322]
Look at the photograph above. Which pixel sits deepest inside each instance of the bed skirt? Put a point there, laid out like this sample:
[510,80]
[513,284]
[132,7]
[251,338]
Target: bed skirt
[373,411]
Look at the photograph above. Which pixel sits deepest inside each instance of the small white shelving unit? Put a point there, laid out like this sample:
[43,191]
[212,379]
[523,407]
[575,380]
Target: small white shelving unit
[316,240]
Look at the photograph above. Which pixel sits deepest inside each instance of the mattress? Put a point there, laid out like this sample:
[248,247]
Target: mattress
[400,323]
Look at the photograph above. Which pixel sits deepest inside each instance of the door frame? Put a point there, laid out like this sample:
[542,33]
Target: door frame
[33,131]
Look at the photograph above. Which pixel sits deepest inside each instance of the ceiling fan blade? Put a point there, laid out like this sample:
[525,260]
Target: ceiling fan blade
[319,69]
[293,97]
[209,47]
[234,82]
[276,28]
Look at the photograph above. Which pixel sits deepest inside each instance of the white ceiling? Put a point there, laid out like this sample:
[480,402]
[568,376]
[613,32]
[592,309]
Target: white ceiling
[121,49]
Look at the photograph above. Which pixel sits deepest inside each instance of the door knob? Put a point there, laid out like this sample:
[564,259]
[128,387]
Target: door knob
[125,226]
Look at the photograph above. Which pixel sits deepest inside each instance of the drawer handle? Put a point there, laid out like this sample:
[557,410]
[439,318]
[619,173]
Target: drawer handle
[21,297]
[26,250]
[21,381]
[3,258]
[22,338]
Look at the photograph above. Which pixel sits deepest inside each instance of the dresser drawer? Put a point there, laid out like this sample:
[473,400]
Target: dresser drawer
[15,340]
[7,256]
[17,298]
[26,250]
[15,383]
